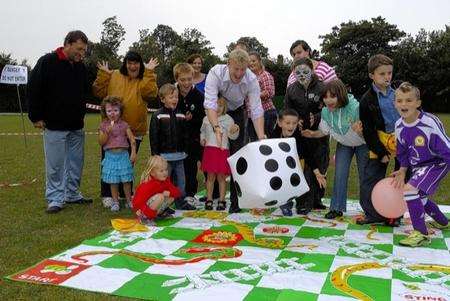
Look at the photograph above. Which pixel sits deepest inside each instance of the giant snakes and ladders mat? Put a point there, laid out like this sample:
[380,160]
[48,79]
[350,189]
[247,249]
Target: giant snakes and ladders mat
[217,256]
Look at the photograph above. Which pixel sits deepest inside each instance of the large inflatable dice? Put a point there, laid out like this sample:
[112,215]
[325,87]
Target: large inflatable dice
[267,173]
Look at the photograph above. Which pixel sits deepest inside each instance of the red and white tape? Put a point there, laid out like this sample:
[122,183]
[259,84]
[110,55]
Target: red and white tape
[40,133]
[8,185]
[97,107]
[88,105]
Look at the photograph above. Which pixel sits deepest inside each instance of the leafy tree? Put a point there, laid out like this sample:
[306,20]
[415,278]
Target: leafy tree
[411,60]
[349,46]
[112,35]
[438,71]
[176,50]
[424,60]
[193,41]
[6,59]
[166,39]
[147,46]
[280,70]
[253,45]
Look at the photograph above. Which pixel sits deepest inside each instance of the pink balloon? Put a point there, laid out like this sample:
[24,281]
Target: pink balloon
[387,200]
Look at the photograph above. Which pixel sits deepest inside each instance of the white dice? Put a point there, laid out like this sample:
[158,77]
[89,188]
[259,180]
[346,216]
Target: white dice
[267,173]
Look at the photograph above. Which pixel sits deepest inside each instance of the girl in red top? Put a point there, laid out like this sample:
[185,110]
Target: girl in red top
[156,192]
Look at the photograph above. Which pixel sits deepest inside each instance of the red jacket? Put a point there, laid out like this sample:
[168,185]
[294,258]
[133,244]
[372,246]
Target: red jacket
[148,189]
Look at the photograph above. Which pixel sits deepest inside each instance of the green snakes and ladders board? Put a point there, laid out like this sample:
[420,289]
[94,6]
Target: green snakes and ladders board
[204,256]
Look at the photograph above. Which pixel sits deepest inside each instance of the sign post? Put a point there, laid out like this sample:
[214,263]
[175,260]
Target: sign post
[16,75]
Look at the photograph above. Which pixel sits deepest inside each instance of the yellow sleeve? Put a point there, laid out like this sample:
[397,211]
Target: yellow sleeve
[101,83]
[148,86]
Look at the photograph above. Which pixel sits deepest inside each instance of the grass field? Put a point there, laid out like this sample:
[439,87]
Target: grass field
[29,235]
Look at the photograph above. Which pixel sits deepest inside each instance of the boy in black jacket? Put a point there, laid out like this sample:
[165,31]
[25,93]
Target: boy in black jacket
[304,96]
[287,127]
[168,138]
[190,102]
[378,116]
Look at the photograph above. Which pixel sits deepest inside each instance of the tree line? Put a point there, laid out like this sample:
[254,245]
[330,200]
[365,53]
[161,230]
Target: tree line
[423,59]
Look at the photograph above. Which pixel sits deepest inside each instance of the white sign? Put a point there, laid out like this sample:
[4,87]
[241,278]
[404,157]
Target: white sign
[14,75]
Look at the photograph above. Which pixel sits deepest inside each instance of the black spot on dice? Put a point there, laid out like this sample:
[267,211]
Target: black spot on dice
[276,183]
[271,165]
[238,189]
[295,179]
[265,150]
[271,203]
[284,147]
[290,161]
[241,166]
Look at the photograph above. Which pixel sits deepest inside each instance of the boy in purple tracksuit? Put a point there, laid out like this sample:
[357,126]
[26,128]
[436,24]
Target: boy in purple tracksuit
[422,146]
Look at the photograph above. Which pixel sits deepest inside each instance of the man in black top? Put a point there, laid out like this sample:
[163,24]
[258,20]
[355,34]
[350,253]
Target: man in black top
[56,104]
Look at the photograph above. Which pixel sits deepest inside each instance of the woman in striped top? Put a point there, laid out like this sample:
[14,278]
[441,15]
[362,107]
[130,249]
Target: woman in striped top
[300,49]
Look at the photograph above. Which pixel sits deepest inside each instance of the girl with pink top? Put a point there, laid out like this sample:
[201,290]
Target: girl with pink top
[114,134]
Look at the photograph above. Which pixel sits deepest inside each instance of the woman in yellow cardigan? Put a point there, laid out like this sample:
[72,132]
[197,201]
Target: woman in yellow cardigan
[134,83]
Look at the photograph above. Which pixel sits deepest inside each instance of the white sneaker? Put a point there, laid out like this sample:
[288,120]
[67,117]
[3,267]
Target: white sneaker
[115,206]
[107,202]
[191,200]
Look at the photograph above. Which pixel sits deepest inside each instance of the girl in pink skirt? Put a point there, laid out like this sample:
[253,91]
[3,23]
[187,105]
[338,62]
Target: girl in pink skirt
[215,155]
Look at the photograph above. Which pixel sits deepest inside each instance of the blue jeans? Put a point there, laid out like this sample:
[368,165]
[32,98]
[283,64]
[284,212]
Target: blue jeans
[344,155]
[64,157]
[176,173]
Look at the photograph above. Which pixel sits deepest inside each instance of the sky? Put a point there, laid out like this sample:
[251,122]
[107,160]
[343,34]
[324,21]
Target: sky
[29,29]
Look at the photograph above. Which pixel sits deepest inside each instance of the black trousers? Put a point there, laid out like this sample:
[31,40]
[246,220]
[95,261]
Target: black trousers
[238,116]
[374,172]
[320,150]
[105,189]
[190,172]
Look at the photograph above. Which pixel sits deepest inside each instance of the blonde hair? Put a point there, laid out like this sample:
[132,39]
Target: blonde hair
[239,56]
[222,102]
[407,87]
[182,68]
[165,90]
[152,162]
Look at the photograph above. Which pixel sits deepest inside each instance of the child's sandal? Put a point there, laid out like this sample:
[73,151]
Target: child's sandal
[209,205]
[221,205]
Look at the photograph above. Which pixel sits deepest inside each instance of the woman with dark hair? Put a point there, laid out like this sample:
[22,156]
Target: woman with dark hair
[134,83]
[196,61]
[300,49]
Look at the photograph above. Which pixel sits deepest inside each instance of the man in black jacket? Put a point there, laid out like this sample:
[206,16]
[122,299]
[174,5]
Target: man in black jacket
[56,104]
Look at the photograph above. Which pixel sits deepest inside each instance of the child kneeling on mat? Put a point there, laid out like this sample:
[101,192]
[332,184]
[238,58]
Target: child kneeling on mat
[155,193]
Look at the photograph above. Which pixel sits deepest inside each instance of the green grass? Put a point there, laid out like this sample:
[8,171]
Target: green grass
[29,235]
